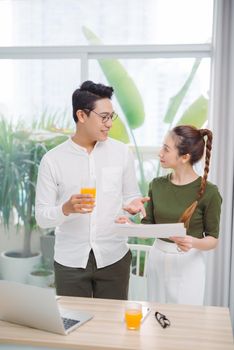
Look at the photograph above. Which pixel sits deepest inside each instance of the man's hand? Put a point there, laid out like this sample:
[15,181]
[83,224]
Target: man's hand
[79,203]
[123,220]
[136,206]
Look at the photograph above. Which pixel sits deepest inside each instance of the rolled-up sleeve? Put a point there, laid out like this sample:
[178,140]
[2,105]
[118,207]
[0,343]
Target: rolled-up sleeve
[212,214]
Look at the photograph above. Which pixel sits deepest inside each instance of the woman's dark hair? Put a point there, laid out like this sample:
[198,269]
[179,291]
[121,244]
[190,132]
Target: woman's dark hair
[190,140]
[86,96]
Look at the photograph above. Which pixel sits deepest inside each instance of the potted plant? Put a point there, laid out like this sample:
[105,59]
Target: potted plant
[20,155]
[42,275]
[47,241]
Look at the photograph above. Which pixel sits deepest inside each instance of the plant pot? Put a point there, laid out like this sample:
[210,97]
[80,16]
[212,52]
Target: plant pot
[41,278]
[47,249]
[16,268]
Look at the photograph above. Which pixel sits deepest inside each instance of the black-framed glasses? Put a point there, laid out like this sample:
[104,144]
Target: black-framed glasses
[162,320]
[105,116]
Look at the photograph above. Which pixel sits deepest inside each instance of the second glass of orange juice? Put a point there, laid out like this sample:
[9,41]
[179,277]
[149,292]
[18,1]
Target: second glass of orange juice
[133,315]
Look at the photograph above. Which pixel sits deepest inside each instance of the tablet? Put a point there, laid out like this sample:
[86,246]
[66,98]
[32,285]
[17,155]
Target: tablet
[155,231]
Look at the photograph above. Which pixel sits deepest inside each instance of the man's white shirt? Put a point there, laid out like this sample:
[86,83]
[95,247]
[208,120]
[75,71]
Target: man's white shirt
[61,173]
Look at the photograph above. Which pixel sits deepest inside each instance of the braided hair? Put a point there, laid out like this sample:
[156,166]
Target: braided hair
[190,140]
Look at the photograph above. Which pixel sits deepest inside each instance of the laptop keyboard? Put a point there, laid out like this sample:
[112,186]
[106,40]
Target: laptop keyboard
[68,322]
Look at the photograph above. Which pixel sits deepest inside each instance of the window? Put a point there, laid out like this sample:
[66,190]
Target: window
[48,49]
[116,22]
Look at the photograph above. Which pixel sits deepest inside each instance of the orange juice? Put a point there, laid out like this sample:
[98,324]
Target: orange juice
[133,318]
[88,190]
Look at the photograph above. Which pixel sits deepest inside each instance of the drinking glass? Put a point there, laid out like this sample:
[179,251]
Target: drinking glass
[89,187]
[133,315]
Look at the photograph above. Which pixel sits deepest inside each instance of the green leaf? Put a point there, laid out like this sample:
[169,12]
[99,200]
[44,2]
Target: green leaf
[196,114]
[175,101]
[91,37]
[19,160]
[118,131]
[126,91]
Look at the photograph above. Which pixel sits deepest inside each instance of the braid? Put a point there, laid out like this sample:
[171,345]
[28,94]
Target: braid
[187,214]
[208,133]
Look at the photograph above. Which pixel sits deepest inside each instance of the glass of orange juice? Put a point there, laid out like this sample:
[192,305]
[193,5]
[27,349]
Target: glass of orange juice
[133,315]
[89,187]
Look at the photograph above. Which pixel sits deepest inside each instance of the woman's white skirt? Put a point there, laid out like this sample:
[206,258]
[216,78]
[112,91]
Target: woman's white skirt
[174,276]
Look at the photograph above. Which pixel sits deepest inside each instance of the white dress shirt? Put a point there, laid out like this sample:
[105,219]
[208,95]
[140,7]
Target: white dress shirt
[61,173]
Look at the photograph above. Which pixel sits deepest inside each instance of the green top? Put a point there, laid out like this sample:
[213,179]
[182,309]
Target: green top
[168,201]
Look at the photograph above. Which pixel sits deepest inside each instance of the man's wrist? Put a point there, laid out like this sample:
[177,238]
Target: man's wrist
[65,209]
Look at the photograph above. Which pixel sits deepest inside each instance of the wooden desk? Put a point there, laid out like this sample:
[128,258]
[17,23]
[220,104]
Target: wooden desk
[192,328]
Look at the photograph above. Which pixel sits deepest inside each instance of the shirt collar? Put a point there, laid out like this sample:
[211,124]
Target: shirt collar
[83,149]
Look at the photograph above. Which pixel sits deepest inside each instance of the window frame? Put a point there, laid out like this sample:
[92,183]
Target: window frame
[93,52]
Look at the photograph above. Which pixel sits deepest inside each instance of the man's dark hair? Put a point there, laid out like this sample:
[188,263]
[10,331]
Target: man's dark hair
[86,96]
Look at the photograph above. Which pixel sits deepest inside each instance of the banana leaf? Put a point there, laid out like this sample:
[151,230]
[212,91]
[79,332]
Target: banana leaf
[118,131]
[126,91]
[196,114]
[175,101]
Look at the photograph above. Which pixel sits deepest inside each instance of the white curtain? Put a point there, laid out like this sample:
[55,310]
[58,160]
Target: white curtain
[220,272]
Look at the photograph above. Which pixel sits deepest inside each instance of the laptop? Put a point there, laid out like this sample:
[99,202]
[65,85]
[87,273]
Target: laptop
[37,307]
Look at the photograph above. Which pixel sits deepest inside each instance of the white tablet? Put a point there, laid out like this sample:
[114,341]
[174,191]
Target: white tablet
[155,231]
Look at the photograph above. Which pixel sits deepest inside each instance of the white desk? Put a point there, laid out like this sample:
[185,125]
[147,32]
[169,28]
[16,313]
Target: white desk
[192,328]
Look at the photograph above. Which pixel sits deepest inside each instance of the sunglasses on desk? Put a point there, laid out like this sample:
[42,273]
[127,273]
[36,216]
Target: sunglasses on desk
[162,320]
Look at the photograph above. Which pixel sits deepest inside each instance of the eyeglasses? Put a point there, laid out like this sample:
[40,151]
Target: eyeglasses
[162,320]
[105,116]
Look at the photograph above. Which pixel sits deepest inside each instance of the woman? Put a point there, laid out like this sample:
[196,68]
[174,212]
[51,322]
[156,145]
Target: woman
[176,267]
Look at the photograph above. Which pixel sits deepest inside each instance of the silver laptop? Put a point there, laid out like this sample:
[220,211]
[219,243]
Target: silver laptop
[37,307]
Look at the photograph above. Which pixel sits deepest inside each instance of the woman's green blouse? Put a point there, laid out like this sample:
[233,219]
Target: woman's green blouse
[168,202]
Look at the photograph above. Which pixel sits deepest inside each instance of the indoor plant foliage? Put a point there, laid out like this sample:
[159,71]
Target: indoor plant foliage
[20,155]
[132,105]
[42,275]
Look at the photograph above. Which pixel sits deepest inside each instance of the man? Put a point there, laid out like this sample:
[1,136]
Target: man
[90,260]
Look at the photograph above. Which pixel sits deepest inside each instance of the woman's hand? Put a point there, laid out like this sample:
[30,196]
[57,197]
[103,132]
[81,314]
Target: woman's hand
[188,242]
[183,243]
